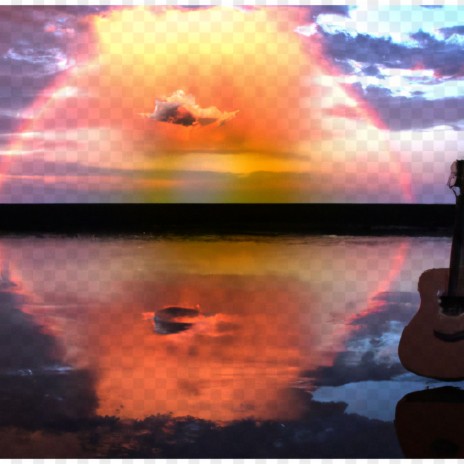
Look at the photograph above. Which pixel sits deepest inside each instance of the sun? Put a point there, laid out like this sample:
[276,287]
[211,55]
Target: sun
[223,57]
[250,66]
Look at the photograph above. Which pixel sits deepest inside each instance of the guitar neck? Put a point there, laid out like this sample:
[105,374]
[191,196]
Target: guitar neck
[456,258]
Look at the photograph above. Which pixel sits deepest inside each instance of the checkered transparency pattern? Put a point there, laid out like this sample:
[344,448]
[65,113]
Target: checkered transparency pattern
[278,317]
[97,291]
[89,127]
[326,138]
[212,3]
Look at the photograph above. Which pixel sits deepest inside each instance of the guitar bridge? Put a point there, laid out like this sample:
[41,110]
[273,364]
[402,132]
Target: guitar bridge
[451,305]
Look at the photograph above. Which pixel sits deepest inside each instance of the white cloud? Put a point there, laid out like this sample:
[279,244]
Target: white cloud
[45,61]
[395,22]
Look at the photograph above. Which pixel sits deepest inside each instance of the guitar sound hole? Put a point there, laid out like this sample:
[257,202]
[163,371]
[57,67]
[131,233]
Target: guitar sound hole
[443,448]
[453,311]
[452,305]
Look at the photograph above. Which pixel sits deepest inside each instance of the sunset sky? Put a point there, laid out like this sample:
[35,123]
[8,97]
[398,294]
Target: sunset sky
[255,104]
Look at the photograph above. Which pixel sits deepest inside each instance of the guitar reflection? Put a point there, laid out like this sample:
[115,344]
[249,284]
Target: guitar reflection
[429,423]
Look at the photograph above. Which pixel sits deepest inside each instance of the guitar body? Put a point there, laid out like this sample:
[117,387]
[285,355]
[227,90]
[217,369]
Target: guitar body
[432,344]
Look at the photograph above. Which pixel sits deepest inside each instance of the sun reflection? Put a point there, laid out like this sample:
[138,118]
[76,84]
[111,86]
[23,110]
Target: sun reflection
[270,310]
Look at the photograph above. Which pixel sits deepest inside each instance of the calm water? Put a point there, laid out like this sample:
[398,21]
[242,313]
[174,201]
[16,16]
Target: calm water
[293,354]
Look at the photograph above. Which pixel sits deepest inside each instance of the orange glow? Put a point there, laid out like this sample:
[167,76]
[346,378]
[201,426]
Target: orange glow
[385,284]
[235,363]
[252,62]
[270,311]
[288,124]
[223,57]
[376,133]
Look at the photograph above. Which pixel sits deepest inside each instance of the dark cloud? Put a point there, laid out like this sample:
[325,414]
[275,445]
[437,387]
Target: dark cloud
[26,26]
[424,38]
[181,108]
[364,48]
[371,70]
[445,58]
[449,31]
[402,113]
[37,44]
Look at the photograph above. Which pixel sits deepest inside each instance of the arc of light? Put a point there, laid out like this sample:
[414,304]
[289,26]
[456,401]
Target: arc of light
[369,114]
[37,109]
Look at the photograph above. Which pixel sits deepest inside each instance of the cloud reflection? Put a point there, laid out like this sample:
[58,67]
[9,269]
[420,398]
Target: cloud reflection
[36,388]
[294,350]
[274,307]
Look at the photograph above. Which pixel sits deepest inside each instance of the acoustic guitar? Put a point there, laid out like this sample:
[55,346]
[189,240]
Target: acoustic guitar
[432,344]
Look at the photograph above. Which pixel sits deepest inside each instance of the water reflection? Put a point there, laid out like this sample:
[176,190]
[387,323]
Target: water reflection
[274,308]
[301,332]
[37,388]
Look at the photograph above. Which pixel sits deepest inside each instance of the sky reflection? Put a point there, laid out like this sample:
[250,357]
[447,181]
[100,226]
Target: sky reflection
[295,348]
[273,310]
